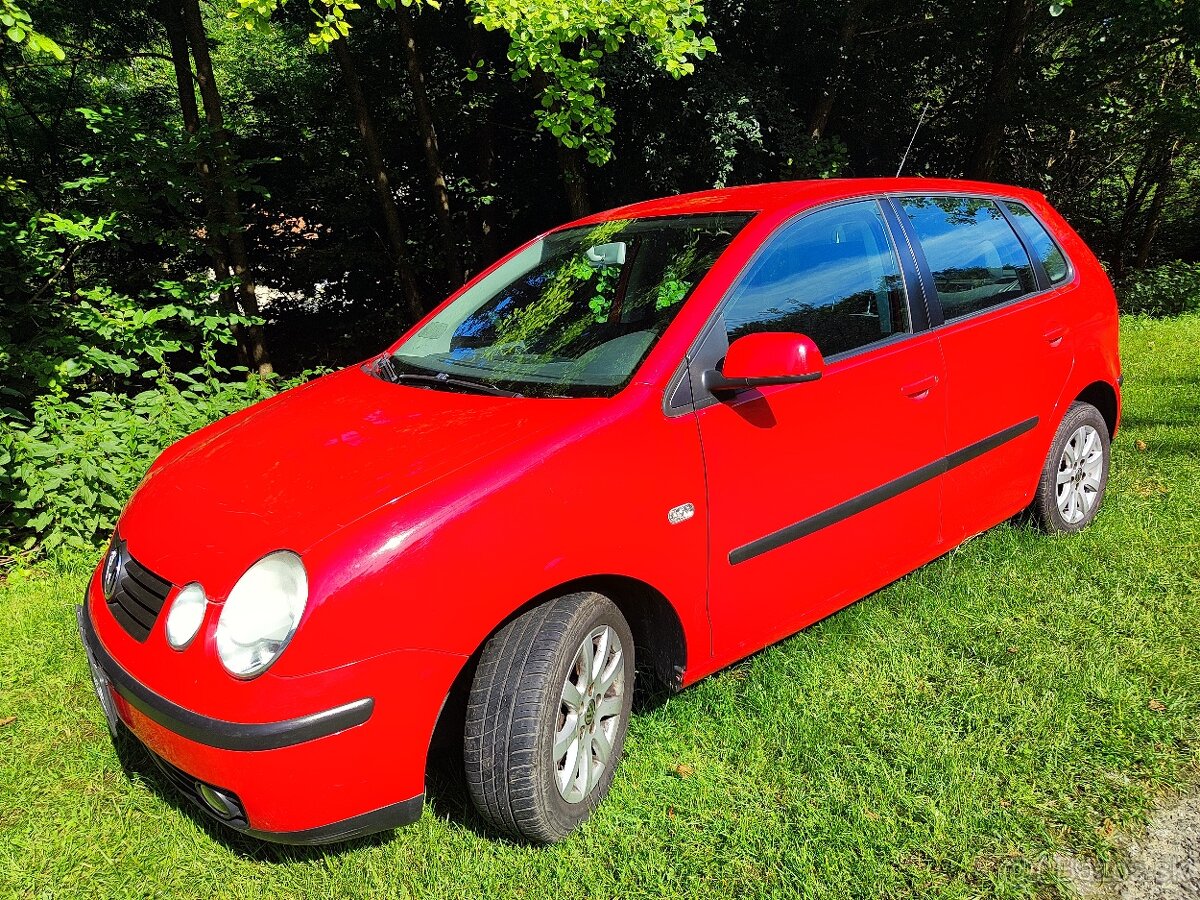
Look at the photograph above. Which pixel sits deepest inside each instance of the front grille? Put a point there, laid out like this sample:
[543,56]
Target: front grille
[138,596]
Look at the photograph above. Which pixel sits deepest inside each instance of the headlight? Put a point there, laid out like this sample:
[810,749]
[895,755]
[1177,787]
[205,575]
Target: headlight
[187,612]
[262,613]
[112,567]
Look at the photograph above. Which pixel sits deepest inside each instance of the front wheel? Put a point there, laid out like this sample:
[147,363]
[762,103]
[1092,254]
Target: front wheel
[1075,474]
[547,716]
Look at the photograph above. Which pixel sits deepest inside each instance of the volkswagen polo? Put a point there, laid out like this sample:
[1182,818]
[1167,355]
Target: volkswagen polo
[643,445]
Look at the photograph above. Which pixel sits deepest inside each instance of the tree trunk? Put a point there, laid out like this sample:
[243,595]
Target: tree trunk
[383,190]
[172,19]
[452,259]
[1139,189]
[847,34]
[1162,192]
[227,193]
[574,176]
[996,103]
[570,163]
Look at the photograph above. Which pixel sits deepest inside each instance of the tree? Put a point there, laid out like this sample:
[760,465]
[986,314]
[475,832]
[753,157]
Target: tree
[379,177]
[995,102]
[429,141]
[171,14]
[224,188]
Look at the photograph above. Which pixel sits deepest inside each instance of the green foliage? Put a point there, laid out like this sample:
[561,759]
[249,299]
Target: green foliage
[561,43]
[18,28]
[62,332]
[1171,289]
[328,22]
[69,459]
[68,469]
[564,43]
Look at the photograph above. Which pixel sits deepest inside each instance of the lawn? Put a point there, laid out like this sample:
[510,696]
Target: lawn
[942,738]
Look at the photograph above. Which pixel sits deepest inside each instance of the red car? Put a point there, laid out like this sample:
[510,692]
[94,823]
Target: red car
[653,441]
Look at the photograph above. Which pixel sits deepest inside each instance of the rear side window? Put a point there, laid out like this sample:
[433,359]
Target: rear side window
[976,258]
[831,275]
[1039,240]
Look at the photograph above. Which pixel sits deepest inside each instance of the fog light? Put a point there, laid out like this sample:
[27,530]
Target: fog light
[216,801]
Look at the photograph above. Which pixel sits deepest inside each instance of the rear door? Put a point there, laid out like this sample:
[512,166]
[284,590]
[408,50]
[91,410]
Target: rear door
[812,496]
[1007,347]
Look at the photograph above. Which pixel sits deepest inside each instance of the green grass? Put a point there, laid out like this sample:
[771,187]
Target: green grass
[942,738]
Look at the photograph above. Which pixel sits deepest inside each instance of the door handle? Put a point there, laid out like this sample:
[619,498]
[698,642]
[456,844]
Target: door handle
[1055,336]
[919,389]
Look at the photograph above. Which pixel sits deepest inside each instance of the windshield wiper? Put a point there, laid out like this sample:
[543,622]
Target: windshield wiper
[387,371]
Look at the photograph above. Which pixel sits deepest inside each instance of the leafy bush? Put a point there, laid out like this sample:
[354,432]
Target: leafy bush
[1171,289]
[67,470]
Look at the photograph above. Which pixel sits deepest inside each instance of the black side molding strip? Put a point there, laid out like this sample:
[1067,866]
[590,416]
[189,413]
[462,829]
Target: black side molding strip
[219,732]
[875,496]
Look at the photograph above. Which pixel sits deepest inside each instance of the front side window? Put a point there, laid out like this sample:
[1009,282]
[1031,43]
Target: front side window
[573,314]
[1038,238]
[976,259]
[831,275]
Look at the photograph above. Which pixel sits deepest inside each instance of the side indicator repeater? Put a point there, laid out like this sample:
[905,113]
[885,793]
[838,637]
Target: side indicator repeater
[681,513]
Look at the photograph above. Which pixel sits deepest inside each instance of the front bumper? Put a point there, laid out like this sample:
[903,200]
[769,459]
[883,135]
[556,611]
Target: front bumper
[311,779]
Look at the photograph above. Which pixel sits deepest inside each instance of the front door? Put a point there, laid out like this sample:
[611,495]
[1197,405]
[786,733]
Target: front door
[821,492]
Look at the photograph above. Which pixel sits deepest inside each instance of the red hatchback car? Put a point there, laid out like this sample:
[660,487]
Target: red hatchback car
[665,436]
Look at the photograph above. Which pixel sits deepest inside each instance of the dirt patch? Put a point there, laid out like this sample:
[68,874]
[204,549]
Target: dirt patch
[1160,862]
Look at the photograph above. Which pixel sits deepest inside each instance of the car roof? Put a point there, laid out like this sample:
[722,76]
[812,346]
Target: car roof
[798,195]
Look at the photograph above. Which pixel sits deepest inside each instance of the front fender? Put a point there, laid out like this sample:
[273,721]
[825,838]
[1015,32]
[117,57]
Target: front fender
[443,567]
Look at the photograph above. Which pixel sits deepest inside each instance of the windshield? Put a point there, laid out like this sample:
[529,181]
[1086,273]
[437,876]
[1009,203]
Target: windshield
[573,314]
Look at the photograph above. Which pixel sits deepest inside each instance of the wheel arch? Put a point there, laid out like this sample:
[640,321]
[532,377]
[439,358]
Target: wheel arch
[1103,396]
[658,634]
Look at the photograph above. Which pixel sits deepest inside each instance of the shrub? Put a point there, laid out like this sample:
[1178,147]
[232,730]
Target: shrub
[1171,289]
[67,469]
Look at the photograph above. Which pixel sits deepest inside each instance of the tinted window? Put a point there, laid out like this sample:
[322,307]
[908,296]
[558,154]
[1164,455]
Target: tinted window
[1038,238]
[831,275]
[976,258]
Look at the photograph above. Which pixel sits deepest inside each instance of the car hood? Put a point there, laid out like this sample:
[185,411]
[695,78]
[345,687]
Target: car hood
[295,469]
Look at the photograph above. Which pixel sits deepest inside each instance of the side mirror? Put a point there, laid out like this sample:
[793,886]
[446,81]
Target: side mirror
[766,358]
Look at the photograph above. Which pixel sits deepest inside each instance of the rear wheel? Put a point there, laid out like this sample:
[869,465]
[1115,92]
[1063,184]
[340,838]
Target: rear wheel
[1075,474]
[547,716]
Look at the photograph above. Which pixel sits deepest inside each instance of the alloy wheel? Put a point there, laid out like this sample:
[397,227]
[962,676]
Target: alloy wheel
[589,715]
[1079,471]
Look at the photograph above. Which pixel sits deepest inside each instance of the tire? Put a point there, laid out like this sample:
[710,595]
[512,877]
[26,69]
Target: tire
[1071,506]
[521,700]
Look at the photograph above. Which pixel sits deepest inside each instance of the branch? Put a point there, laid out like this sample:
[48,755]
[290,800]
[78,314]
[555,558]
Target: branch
[53,278]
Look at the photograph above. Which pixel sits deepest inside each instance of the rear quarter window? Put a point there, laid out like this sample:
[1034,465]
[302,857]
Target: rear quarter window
[1038,239]
[976,259]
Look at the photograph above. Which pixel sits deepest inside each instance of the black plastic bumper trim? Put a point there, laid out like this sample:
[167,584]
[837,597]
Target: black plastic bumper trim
[383,819]
[220,733]
[875,496]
